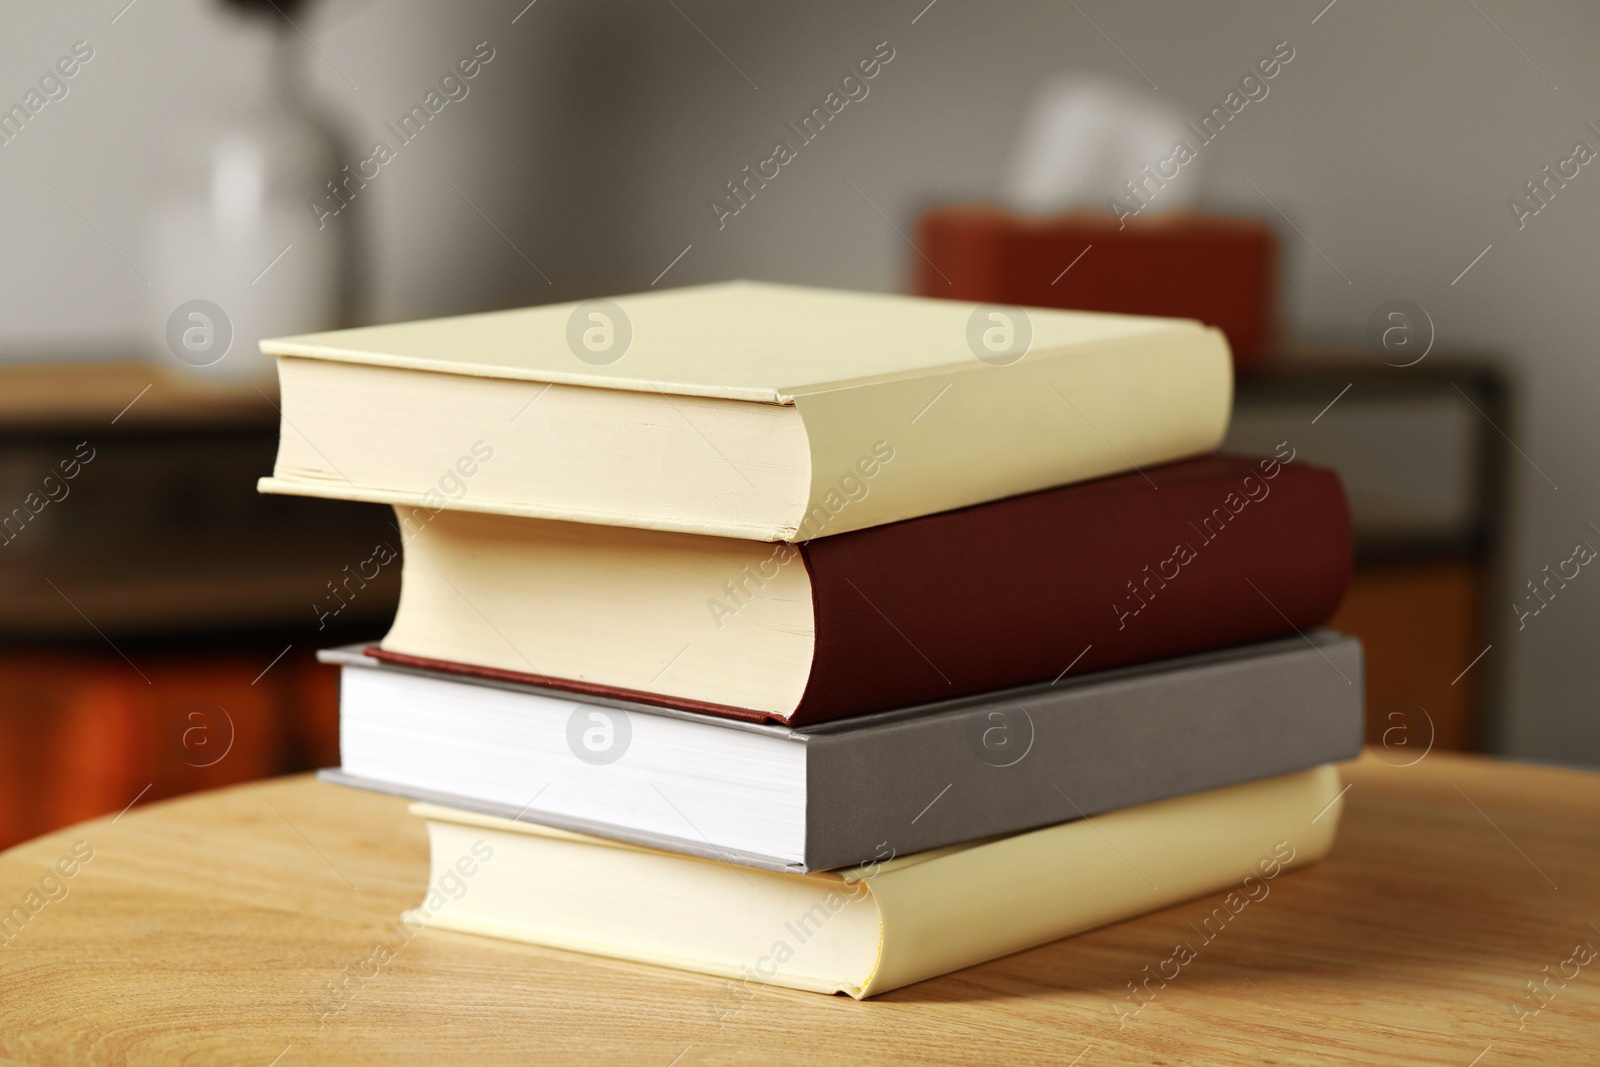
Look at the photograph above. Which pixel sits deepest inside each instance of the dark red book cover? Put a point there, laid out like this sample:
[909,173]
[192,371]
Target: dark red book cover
[1220,270]
[1177,559]
[1181,558]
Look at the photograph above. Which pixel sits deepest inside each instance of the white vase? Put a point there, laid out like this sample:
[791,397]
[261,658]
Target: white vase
[234,254]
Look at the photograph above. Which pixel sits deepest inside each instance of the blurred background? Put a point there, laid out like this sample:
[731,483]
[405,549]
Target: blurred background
[1386,207]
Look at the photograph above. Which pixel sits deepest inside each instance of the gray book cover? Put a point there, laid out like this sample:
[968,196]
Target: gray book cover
[912,779]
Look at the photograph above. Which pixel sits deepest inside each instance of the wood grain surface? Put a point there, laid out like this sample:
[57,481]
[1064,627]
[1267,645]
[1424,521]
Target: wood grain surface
[203,931]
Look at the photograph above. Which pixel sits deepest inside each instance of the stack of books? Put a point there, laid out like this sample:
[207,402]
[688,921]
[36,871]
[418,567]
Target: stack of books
[825,639]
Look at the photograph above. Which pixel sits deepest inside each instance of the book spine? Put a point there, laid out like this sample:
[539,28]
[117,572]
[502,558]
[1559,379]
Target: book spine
[1047,754]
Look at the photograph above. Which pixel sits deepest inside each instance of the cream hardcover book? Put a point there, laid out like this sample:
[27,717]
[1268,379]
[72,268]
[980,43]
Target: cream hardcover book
[886,924]
[756,411]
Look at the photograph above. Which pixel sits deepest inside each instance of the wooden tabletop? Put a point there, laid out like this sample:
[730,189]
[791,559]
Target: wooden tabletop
[203,930]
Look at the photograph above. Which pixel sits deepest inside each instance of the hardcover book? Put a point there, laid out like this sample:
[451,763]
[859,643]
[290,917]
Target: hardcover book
[829,795]
[891,922]
[1161,562]
[742,410]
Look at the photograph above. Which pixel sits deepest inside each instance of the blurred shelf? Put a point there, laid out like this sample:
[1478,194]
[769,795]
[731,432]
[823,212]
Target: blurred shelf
[1423,461]
[81,396]
[144,519]
[1416,447]
[158,616]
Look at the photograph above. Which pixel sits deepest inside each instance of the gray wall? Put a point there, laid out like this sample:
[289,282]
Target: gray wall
[1393,141]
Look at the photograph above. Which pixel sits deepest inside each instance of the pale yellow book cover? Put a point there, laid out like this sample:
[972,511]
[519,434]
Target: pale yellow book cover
[887,924]
[749,410]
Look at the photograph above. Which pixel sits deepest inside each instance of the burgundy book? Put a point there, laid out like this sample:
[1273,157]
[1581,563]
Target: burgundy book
[1176,559]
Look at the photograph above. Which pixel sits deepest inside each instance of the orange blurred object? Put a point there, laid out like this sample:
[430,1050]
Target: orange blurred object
[1220,270]
[1421,624]
[87,734]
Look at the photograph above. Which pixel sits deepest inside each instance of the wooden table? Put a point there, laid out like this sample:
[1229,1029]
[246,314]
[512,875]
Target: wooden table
[203,931]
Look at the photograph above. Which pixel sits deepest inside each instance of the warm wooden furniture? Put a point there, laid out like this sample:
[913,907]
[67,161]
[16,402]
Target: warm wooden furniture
[205,928]
[1421,623]
[82,730]
[160,530]
[152,603]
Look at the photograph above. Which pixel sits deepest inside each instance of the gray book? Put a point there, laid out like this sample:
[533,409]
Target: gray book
[854,790]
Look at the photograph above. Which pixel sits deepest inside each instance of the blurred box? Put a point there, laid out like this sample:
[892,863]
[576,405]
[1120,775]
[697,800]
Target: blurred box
[1220,270]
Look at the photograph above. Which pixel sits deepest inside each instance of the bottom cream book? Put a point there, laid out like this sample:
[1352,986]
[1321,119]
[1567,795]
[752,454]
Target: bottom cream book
[868,929]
